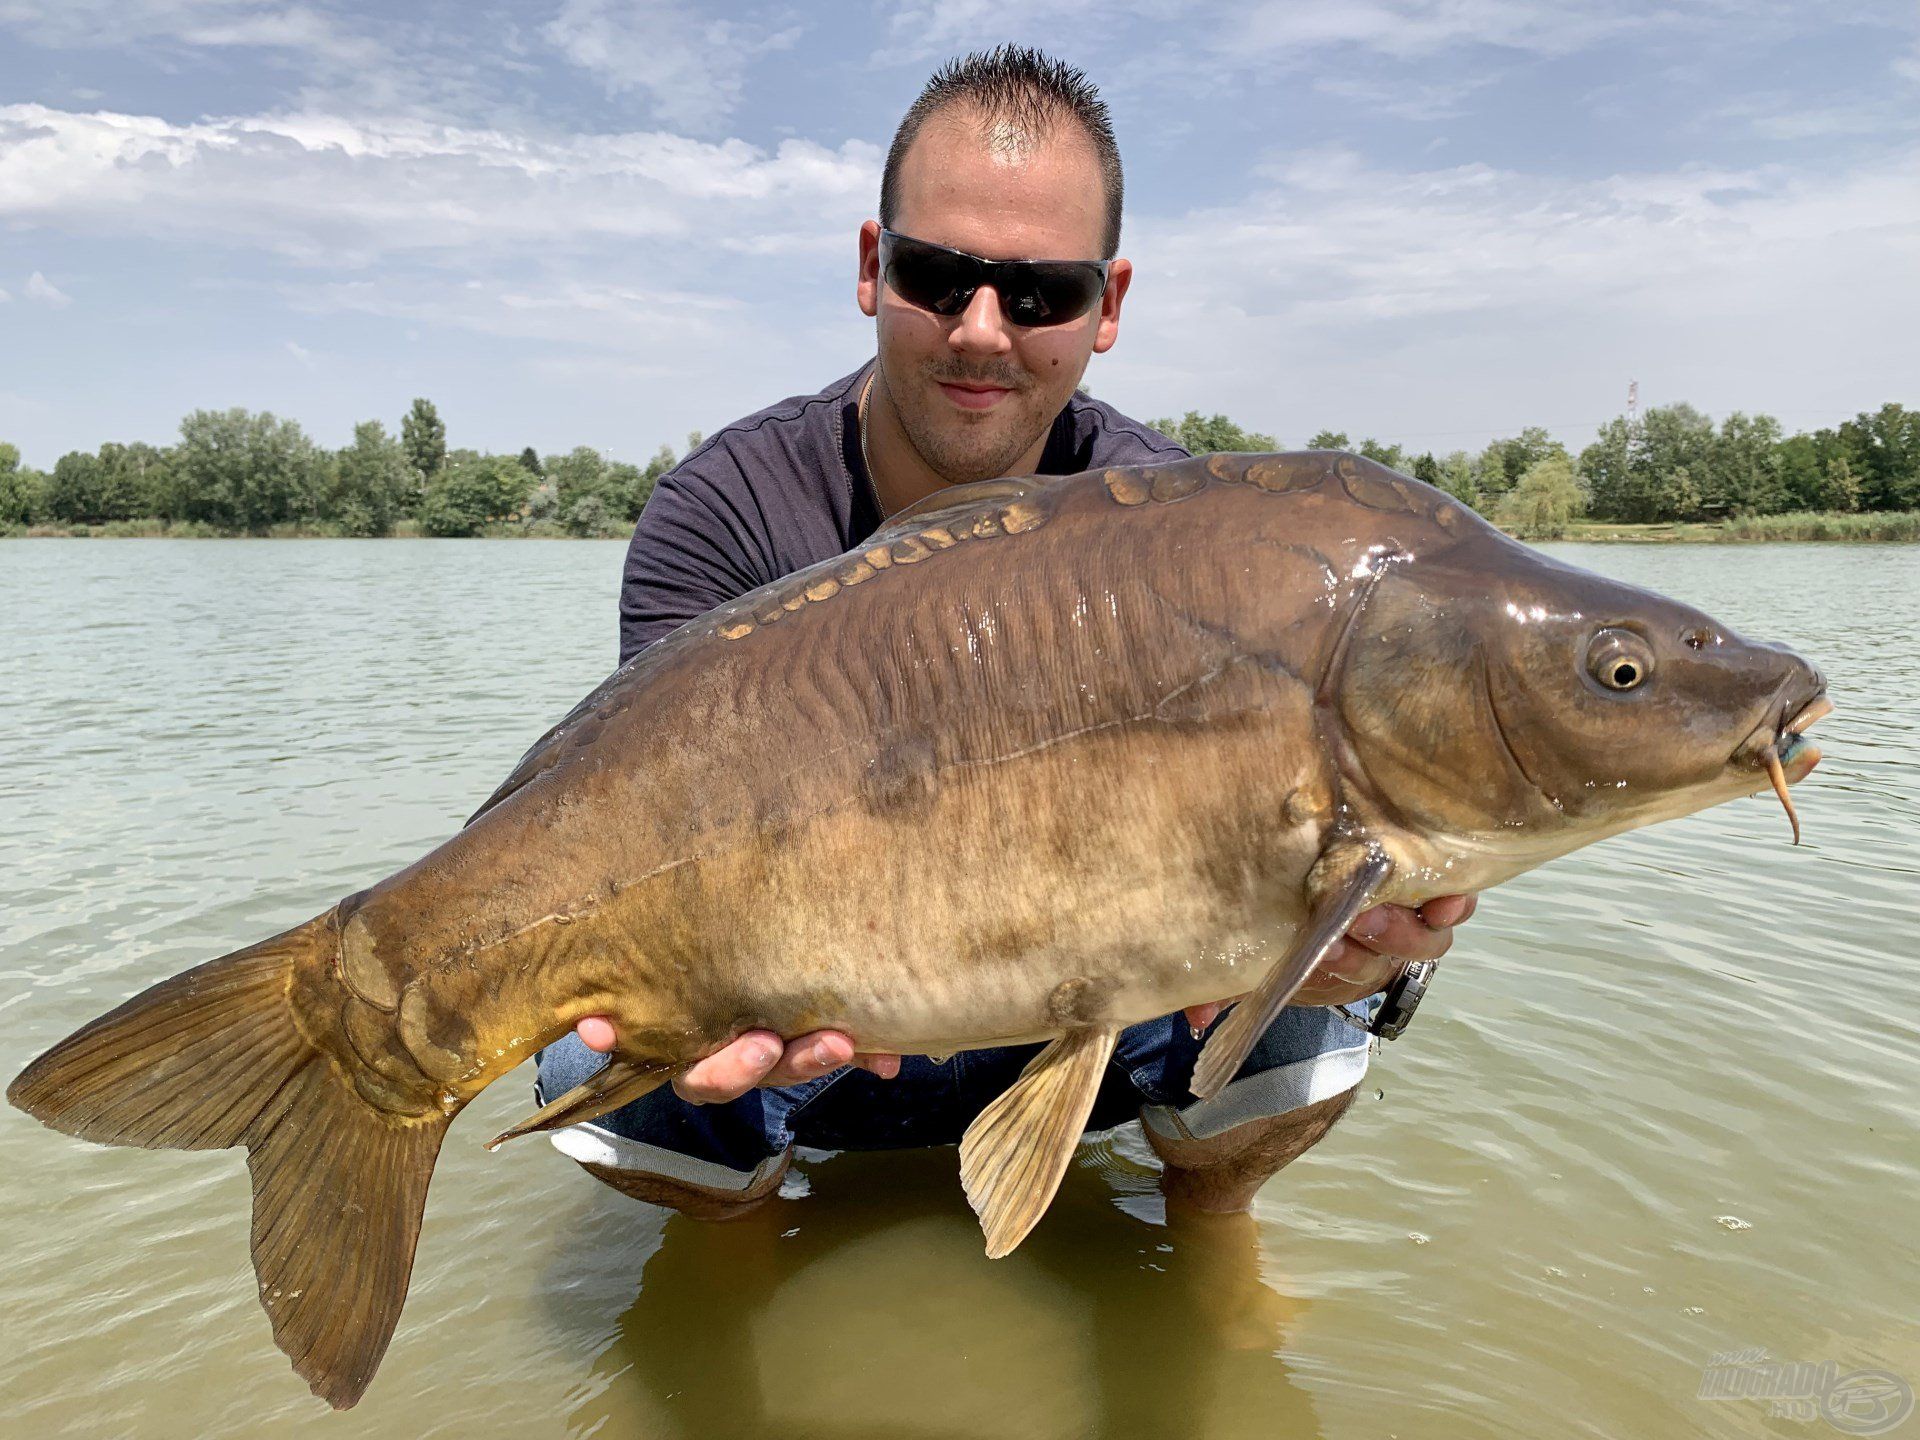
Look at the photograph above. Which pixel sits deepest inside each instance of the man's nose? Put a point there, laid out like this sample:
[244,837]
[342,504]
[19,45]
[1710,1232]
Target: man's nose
[983,328]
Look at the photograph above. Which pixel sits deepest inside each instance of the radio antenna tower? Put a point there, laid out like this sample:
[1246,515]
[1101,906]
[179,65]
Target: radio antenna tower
[1633,404]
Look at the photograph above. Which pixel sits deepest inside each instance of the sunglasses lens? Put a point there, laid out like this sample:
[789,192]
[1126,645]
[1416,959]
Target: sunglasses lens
[1044,294]
[1032,292]
[942,281]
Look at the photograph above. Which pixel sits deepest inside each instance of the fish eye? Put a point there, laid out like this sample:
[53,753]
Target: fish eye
[1619,659]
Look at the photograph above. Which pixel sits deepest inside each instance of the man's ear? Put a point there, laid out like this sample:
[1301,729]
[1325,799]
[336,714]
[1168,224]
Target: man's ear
[866,289]
[1119,277]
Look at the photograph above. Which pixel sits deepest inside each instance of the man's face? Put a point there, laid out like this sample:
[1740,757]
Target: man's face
[974,392]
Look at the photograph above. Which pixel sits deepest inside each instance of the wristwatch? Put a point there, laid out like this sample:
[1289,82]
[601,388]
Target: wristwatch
[1403,998]
[1400,1000]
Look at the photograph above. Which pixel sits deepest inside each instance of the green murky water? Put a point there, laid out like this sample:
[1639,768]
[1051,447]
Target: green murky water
[1659,1105]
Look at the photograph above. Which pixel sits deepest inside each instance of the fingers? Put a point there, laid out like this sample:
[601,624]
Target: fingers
[1348,972]
[1398,931]
[730,1071]
[760,1058]
[1200,1016]
[596,1033]
[1445,911]
[811,1056]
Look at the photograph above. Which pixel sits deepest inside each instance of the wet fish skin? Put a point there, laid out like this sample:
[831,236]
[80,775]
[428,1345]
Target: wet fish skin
[1044,758]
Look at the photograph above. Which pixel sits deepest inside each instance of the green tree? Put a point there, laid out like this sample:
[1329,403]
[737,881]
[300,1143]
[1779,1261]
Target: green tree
[1384,454]
[1647,474]
[22,490]
[587,516]
[1546,499]
[236,470]
[472,491]
[73,494]
[1456,478]
[1330,440]
[582,471]
[1803,469]
[1838,488]
[1743,471]
[1503,462]
[135,480]
[1673,438]
[425,441]
[370,484]
[627,489]
[1203,434]
[1883,451]
[530,462]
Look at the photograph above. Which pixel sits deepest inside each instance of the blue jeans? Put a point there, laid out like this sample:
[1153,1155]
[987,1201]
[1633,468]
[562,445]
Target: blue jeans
[1307,1055]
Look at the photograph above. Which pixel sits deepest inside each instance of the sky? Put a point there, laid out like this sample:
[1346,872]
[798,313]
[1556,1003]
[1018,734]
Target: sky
[587,222]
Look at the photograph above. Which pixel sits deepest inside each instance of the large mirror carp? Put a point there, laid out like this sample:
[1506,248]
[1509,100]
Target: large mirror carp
[1043,759]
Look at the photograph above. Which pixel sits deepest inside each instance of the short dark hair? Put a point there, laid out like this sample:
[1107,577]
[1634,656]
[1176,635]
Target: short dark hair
[1018,86]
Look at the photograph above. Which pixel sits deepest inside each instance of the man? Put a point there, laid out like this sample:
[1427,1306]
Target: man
[1005,156]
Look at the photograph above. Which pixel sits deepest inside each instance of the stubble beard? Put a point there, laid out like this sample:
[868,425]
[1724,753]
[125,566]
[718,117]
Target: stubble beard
[963,452]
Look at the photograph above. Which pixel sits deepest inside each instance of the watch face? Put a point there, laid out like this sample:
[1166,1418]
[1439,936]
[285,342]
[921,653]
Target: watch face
[1403,998]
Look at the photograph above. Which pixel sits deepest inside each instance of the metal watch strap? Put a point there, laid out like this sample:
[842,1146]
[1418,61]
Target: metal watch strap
[1401,998]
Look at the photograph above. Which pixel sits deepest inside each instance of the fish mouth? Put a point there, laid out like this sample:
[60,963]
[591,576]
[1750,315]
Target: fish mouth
[1785,754]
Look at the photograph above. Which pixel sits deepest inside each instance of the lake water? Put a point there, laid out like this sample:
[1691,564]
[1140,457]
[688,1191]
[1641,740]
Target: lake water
[1659,1104]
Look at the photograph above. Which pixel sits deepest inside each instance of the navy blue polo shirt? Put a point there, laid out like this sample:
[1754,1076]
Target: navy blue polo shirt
[787,487]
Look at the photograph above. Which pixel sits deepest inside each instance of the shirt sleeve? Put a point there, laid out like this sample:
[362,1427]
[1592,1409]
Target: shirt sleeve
[685,558]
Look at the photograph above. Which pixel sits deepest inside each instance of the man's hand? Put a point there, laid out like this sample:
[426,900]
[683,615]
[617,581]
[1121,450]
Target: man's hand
[758,1057]
[1367,958]
[1371,953]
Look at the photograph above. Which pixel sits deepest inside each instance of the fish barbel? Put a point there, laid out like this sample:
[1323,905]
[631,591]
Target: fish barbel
[1042,759]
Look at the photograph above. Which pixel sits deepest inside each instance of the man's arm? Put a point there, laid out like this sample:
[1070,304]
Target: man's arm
[686,557]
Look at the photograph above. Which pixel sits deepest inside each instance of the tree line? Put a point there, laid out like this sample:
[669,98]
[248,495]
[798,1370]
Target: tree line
[1672,464]
[239,472]
[235,472]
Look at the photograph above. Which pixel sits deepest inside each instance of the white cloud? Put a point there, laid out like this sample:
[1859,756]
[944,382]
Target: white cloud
[215,24]
[330,191]
[1274,31]
[1408,29]
[301,353]
[1471,298]
[39,288]
[5,298]
[691,67]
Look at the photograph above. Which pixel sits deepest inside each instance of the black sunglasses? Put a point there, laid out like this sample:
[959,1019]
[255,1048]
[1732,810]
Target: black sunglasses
[1032,292]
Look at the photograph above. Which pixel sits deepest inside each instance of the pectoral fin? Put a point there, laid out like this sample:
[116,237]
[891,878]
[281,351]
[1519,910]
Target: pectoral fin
[1015,1152]
[1347,885]
[621,1083]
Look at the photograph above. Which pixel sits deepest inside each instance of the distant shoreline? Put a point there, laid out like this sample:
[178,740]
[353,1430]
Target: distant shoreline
[1881,527]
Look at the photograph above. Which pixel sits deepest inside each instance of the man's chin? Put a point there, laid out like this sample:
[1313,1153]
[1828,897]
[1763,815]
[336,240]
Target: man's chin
[981,447]
[965,468]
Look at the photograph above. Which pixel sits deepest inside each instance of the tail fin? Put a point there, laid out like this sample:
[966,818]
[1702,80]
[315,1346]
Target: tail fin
[213,1058]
